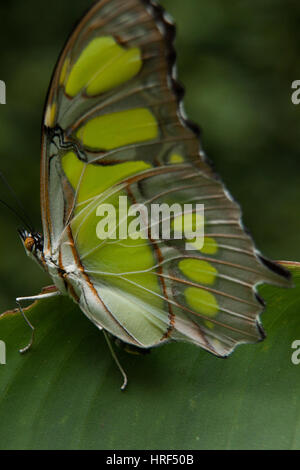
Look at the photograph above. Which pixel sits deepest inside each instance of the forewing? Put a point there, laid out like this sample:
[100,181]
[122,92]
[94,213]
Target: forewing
[114,126]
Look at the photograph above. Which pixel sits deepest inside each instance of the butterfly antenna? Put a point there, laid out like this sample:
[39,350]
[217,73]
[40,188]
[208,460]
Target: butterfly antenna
[24,215]
[19,216]
[116,360]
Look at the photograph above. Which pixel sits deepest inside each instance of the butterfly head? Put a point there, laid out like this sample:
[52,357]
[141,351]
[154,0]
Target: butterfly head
[33,243]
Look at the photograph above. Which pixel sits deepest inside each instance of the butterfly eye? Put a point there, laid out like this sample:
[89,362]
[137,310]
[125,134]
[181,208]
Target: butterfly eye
[29,243]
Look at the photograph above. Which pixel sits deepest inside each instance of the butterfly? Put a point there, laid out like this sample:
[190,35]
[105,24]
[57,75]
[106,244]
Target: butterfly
[114,127]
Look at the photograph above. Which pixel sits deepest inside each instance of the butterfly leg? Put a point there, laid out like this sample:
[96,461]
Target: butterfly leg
[34,297]
[116,360]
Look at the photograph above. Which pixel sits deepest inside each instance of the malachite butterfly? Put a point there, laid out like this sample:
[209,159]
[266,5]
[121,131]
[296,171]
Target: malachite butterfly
[114,126]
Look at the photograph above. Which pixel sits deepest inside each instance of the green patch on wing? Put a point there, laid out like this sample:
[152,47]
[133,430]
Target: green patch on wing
[201,301]
[102,66]
[114,130]
[198,271]
[91,181]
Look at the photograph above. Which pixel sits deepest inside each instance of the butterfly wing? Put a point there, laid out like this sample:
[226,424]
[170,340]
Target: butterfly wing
[114,127]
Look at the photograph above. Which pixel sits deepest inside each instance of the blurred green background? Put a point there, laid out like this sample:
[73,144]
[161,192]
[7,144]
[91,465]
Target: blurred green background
[237,61]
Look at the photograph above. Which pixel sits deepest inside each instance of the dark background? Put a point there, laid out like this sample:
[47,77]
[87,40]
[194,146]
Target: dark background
[237,60]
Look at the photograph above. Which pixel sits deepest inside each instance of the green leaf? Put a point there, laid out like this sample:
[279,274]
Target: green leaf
[65,392]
